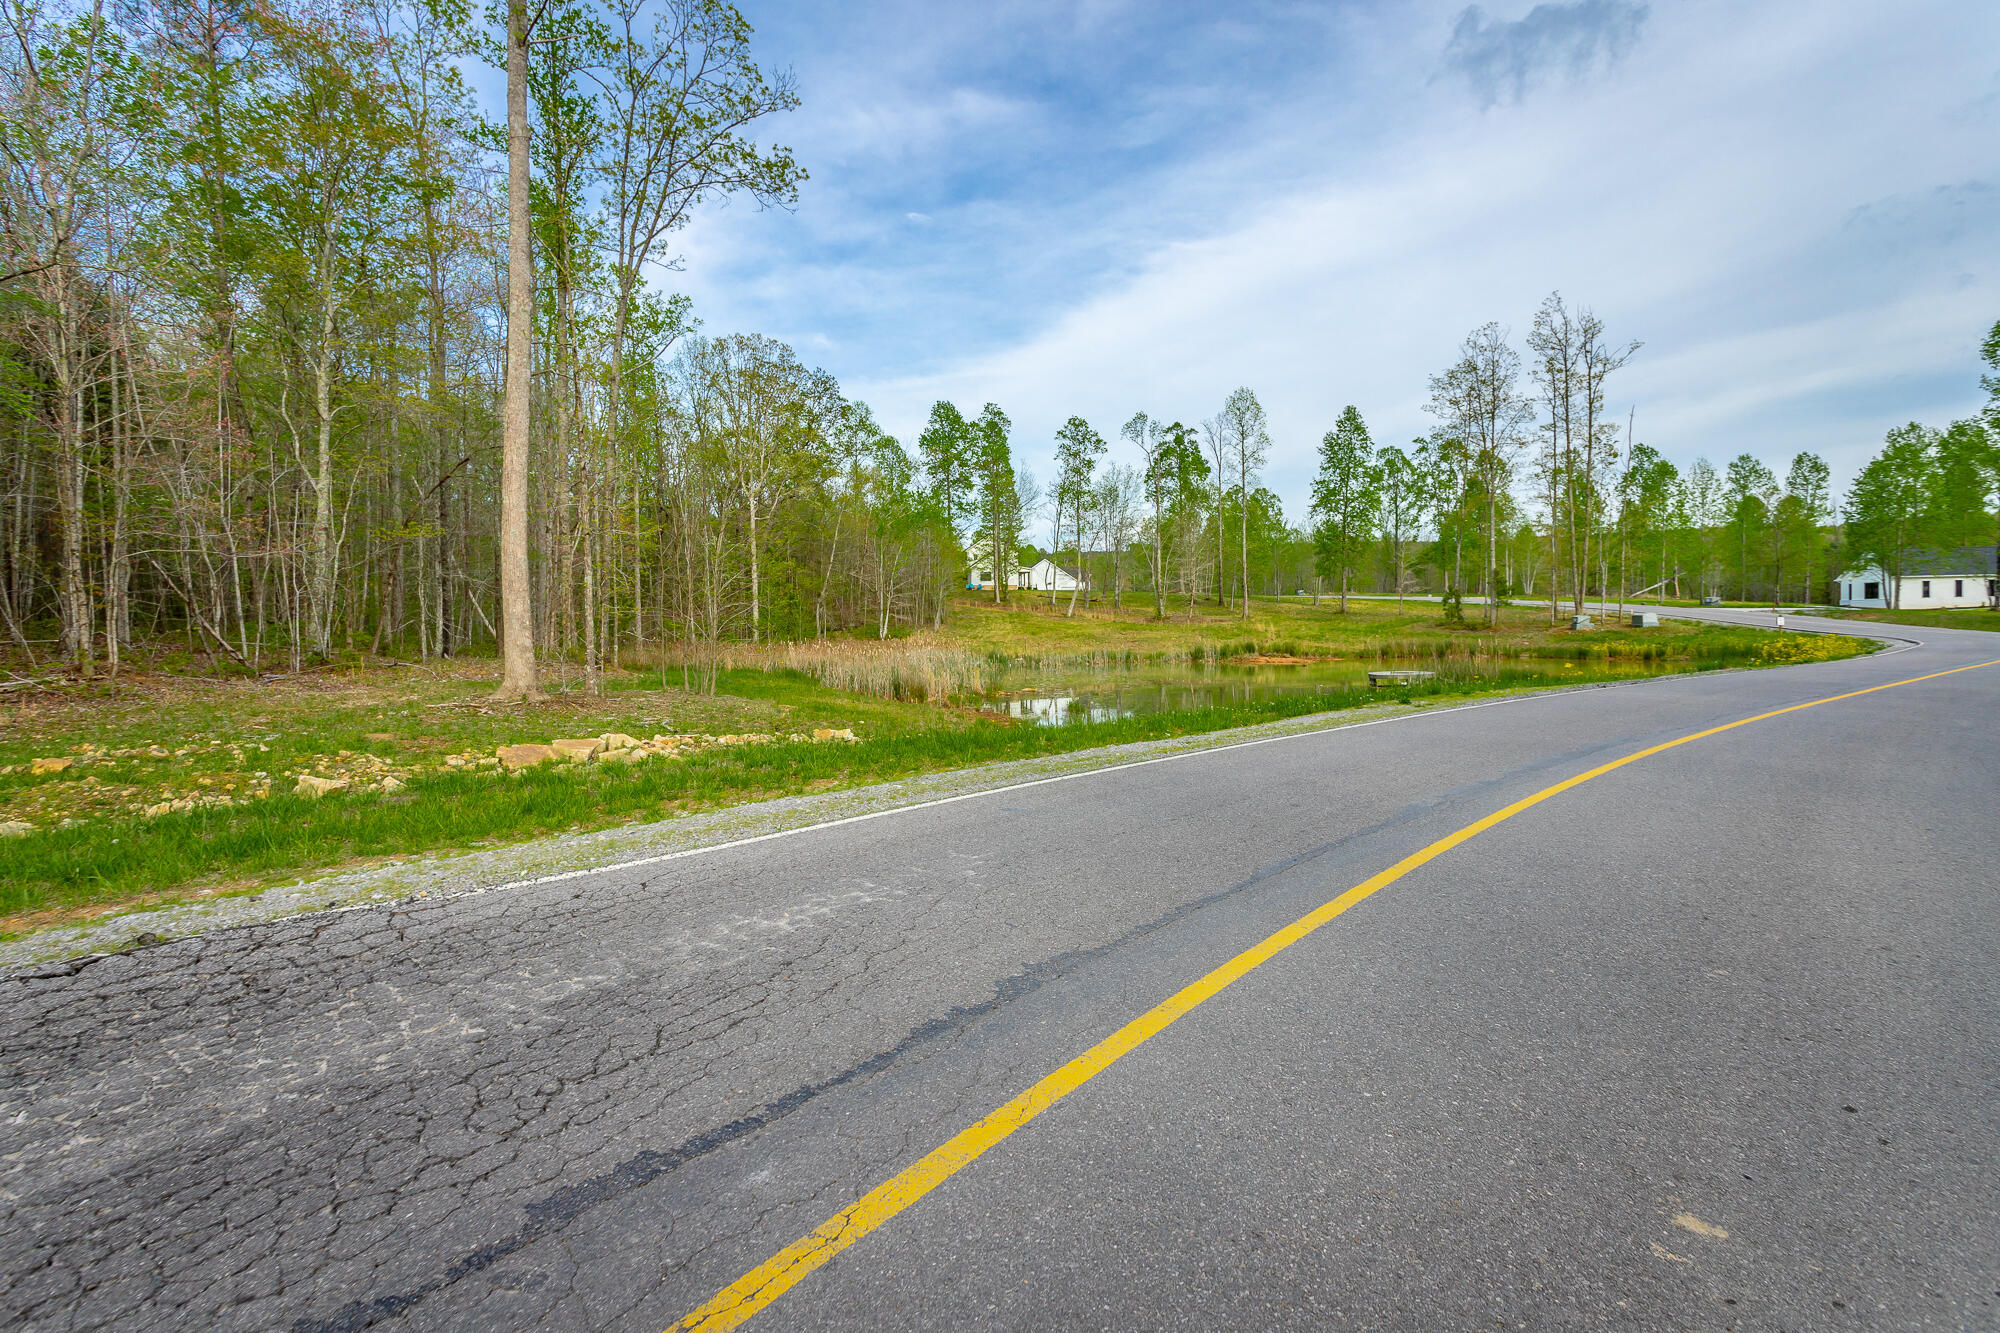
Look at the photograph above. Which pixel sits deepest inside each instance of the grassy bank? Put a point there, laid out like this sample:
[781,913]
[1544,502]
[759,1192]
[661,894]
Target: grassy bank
[176,785]
[1975,617]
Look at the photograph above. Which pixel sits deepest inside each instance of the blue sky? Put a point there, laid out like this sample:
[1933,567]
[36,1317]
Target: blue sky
[1106,207]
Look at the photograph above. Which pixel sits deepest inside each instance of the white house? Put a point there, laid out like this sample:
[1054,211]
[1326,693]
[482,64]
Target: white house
[1931,580]
[1047,576]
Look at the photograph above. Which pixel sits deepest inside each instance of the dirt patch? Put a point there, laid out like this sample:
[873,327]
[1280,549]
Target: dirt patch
[1279,659]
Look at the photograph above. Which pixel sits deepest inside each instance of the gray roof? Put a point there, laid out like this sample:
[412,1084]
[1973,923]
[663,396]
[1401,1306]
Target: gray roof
[1961,562]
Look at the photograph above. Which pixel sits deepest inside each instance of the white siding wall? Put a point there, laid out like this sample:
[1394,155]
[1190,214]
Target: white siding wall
[1045,576]
[1945,593]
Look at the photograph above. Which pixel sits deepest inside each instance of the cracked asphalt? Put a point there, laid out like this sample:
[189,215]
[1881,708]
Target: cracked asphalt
[1747,986]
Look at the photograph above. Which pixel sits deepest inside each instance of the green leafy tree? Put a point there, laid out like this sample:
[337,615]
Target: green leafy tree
[1479,400]
[993,466]
[1245,436]
[1150,437]
[1889,501]
[1752,493]
[1799,536]
[1646,502]
[569,130]
[1402,494]
[1269,538]
[1571,362]
[1078,448]
[1702,508]
[329,146]
[947,450]
[1346,496]
[1989,352]
[1444,468]
[1527,553]
[1961,510]
[199,240]
[680,94]
[1179,473]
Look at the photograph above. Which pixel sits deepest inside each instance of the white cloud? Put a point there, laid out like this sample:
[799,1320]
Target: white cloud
[1501,60]
[1793,204]
[1684,198]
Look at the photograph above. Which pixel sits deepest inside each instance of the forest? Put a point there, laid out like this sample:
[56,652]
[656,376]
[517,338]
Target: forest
[268,276]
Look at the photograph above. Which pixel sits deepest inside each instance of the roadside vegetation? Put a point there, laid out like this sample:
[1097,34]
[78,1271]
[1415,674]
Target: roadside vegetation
[271,501]
[118,793]
[1973,617]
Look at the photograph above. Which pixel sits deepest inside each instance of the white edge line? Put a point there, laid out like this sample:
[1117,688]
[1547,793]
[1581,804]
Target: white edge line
[1097,771]
[615,866]
[1902,645]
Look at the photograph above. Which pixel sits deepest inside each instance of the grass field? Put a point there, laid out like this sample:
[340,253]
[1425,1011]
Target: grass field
[1976,617]
[122,792]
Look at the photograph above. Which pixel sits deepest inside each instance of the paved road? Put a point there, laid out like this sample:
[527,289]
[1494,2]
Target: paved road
[1743,986]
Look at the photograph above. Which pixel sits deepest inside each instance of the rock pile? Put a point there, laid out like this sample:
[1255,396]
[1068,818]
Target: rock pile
[615,747]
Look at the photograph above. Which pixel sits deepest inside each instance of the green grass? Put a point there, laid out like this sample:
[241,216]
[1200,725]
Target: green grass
[1971,617]
[121,858]
[91,847]
[1370,629]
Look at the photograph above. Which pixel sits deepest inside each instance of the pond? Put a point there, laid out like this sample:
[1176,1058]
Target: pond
[1056,697]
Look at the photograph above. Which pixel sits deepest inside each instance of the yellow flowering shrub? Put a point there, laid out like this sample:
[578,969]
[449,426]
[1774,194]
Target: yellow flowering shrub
[1788,649]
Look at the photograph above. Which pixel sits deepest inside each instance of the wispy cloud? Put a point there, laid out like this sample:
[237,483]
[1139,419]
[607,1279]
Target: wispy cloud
[1502,59]
[1147,205]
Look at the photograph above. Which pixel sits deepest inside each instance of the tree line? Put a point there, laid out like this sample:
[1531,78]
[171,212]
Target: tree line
[1930,491]
[286,326]
[301,355]
[1529,487]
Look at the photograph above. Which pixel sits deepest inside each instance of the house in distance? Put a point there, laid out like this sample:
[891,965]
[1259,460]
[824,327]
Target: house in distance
[1042,576]
[1929,579]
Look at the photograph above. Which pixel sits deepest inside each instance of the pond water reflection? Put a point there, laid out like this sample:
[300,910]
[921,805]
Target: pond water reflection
[1055,698]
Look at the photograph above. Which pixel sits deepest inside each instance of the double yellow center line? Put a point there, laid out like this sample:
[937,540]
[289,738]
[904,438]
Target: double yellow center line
[778,1274]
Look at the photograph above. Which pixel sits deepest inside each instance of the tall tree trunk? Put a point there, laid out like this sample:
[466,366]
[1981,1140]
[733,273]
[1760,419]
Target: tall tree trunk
[997,523]
[78,616]
[322,530]
[1159,567]
[1221,526]
[756,604]
[1076,579]
[431,564]
[1243,528]
[517,629]
[118,576]
[1492,554]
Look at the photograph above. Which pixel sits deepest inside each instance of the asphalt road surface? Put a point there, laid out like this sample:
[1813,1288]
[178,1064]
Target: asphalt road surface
[1711,1040]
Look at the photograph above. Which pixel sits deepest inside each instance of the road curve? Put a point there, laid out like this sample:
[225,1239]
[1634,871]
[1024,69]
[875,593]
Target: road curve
[1709,1040]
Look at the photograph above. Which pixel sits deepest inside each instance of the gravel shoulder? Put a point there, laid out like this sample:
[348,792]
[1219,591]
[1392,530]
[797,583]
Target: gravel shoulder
[450,875]
[444,875]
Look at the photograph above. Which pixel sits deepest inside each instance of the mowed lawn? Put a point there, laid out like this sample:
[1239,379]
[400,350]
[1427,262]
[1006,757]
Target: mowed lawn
[121,793]
[1977,617]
